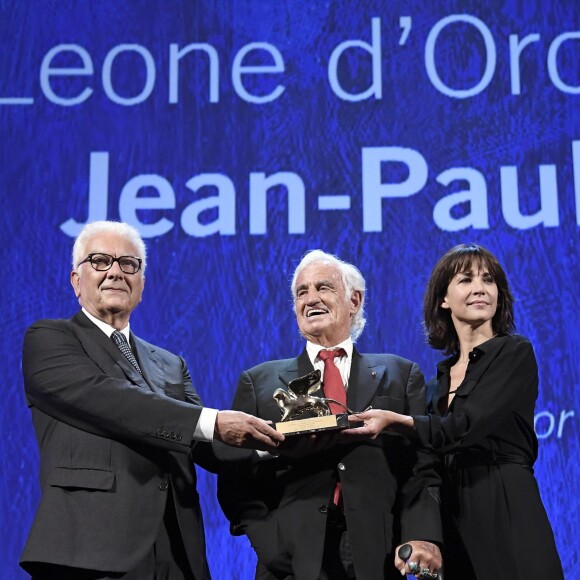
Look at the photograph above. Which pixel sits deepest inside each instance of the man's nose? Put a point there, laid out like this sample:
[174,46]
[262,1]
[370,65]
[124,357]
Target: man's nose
[312,296]
[115,271]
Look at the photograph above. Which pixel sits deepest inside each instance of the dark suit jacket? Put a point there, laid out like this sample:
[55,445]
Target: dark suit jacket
[281,504]
[113,444]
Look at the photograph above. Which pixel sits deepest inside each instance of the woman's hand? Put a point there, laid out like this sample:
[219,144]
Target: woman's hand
[377,420]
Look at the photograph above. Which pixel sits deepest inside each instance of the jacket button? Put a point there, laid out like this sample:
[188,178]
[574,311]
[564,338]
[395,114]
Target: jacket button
[341,466]
[163,486]
[323,509]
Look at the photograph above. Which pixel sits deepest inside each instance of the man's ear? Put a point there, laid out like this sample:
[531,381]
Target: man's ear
[75,283]
[355,302]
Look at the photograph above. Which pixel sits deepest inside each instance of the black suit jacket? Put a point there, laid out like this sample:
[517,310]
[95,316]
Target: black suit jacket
[389,488]
[113,445]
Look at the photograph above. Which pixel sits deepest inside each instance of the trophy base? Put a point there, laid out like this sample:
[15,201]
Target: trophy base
[313,424]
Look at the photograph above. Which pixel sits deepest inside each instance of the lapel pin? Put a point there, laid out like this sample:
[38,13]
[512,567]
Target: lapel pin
[373,374]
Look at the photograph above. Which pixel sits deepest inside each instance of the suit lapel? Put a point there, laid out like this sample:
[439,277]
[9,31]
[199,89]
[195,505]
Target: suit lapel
[289,370]
[103,351]
[365,378]
[296,367]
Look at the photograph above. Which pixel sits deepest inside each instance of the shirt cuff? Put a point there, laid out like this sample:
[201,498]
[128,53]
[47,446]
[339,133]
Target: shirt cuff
[205,427]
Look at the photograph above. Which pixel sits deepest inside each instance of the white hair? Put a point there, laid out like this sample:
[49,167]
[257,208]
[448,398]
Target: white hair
[93,229]
[352,280]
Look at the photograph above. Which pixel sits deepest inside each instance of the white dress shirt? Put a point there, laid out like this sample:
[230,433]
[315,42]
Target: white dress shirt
[343,363]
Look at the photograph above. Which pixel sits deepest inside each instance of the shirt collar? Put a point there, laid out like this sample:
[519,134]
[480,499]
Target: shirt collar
[313,349]
[474,356]
[106,328]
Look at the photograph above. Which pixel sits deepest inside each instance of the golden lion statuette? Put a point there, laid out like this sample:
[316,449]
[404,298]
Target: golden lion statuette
[303,411]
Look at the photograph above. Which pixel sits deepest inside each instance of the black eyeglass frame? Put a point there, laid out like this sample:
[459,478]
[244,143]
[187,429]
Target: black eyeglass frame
[89,259]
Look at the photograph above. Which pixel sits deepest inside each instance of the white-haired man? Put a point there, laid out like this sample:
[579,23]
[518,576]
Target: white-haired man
[301,524]
[119,426]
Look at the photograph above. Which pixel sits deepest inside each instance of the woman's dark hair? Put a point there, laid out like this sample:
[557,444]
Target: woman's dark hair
[439,327]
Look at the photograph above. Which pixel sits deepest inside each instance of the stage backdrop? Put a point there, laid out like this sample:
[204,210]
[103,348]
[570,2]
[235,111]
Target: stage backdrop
[237,135]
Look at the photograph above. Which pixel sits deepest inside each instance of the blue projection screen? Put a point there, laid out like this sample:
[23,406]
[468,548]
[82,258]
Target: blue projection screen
[236,135]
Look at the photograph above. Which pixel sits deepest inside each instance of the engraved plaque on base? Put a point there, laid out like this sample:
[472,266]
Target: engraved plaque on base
[313,424]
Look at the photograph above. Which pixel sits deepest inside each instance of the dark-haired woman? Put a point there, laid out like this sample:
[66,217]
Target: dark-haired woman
[482,421]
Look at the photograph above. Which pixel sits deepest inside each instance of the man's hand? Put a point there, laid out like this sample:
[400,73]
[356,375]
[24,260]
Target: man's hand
[239,429]
[425,556]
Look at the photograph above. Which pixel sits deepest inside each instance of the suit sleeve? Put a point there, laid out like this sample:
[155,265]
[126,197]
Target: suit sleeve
[420,512]
[62,381]
[511,379]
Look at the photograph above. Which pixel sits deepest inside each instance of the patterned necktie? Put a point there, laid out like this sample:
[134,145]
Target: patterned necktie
[120,340]
[332,381]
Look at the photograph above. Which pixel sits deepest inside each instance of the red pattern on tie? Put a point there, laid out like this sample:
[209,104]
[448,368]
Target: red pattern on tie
[332,381]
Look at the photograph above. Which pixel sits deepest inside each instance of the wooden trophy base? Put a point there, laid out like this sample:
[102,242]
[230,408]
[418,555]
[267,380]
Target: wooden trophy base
[313,424]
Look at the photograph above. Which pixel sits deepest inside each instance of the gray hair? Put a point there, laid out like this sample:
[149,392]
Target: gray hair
[351,278]
[93,229]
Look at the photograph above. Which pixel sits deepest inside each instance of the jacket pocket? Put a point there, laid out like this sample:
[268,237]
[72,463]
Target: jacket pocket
[79,478]
[175,391]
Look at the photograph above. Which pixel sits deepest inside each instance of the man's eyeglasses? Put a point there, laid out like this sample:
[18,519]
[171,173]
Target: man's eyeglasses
[104,262]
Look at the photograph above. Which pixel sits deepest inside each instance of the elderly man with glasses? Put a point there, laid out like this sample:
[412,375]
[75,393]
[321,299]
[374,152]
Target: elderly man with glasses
[119,427]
